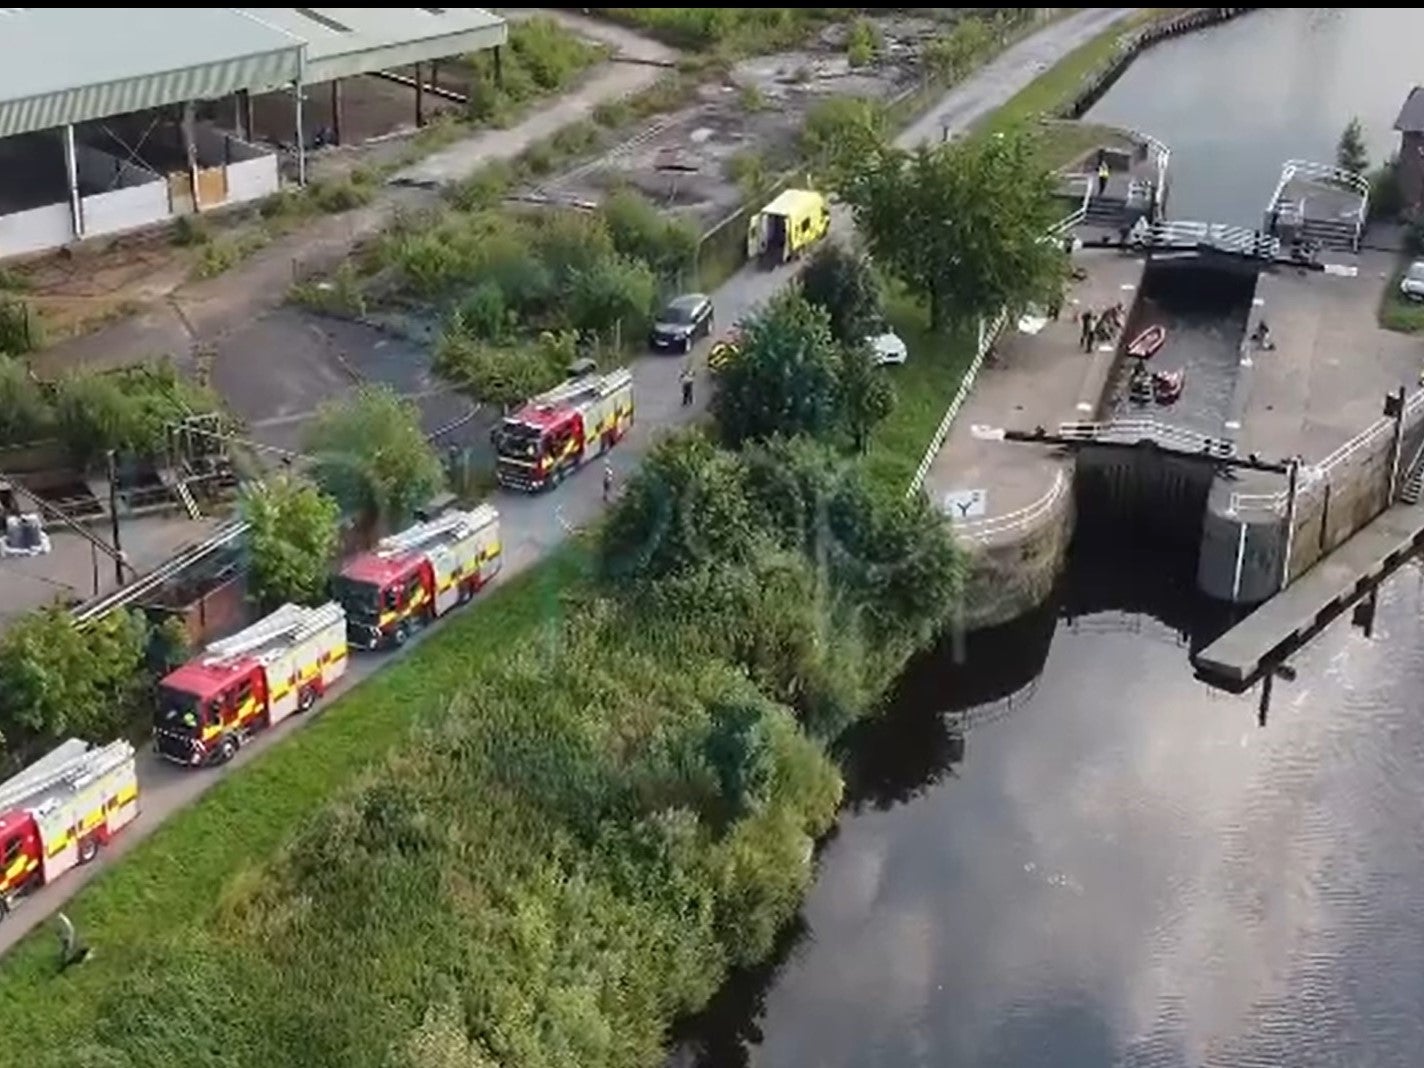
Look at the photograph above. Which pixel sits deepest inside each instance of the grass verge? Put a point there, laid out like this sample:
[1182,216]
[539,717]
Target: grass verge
[1398,313]
[1054,89]
[240,823]
[924,386]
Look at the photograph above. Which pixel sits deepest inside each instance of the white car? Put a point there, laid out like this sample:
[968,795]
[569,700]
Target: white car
[1412,284]
[887,348]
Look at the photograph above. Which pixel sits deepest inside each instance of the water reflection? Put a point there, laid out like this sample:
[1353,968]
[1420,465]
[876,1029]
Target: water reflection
[1236,101]
[1121,868]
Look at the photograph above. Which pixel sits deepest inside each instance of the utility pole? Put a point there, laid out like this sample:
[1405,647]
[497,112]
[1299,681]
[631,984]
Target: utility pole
[114,517]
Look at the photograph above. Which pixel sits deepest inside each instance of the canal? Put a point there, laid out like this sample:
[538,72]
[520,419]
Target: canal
[1060,850]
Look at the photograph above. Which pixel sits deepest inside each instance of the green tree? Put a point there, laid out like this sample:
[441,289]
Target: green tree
[291,541]
[683,508]
[24,413]
[372,457]
[785,379]
[951,56]
[867,396]
[57,680]
[1350,151]
[842,132]
[845,286]
[962,224]
[614,296]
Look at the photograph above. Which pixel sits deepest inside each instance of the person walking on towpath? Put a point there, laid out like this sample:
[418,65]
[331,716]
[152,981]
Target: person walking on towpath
[687,381]
[607,481]
[1103,174]
[1085,339]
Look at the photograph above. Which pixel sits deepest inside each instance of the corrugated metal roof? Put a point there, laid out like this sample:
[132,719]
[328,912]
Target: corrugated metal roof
[345,41]
[70,64]
[73,64]
[1411,116]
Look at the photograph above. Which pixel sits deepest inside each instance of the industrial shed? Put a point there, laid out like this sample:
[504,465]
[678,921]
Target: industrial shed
[89,145]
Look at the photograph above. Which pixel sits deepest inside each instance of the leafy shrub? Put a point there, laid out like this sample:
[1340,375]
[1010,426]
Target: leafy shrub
[18,332]
[744,29]
[57,681]
[541,58]
[863,42]
[639,230]
[495,375]
[25,414]
[484,314]
[613,295]
[129,411]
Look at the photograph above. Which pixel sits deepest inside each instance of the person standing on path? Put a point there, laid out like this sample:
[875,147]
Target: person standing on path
[687,380]
[607,481]
[1085,339]
[71,950]
[1103,174]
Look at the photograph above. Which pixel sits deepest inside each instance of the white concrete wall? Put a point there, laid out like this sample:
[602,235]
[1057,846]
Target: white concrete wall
[35,230]
[125,209]
[103,171]
[252,180]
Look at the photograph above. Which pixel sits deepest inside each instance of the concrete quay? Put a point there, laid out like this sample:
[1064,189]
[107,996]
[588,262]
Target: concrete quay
[1317,395]
[1012,505]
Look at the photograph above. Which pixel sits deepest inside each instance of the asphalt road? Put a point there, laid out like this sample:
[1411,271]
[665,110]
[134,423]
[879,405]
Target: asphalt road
[532,526]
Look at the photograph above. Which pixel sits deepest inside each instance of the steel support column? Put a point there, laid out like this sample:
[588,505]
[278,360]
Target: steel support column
[71,174]
[299,91]
[336,110]
[419,98]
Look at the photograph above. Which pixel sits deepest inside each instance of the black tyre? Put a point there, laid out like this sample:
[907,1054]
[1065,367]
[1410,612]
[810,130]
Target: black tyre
[467,590]
[306,699]
[227,750]
[401,635]
[88,849]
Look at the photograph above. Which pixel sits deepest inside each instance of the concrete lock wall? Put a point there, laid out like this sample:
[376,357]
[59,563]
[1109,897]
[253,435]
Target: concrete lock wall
[1011,578]
[35,230]
[1327,514]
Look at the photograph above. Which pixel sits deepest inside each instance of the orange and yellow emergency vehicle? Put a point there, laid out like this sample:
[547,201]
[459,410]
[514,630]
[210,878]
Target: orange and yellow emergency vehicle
[255,679]
[58,812]
[413,577]
[551,435]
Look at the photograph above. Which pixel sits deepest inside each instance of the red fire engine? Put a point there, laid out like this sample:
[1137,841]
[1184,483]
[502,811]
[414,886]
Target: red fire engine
[280,665]
[413,577]
[556,431]
[60,810]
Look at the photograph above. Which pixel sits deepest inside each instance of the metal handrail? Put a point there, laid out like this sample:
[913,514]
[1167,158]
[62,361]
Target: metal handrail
[1317,474]
[1326,172]
[987,338]
[1131,431]
[1182,233]
[980,530]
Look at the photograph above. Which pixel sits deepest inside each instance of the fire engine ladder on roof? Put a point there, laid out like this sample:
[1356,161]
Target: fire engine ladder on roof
[69,763]
[291,621]
[423,533]
[579,388]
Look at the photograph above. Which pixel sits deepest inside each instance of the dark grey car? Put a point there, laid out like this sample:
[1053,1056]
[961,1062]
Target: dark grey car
[681,323]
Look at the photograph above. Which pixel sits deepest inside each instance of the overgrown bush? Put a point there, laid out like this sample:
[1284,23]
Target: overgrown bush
[639,230]
[497,375]
[18,331]
[25,414]
[57,681]
[1385,197]
[129,411]
[737,29]
[541,58]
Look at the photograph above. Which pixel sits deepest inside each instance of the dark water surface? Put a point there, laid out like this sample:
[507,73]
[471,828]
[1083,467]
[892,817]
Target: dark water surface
[1112,864]
[1061,850]
[1236,101]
